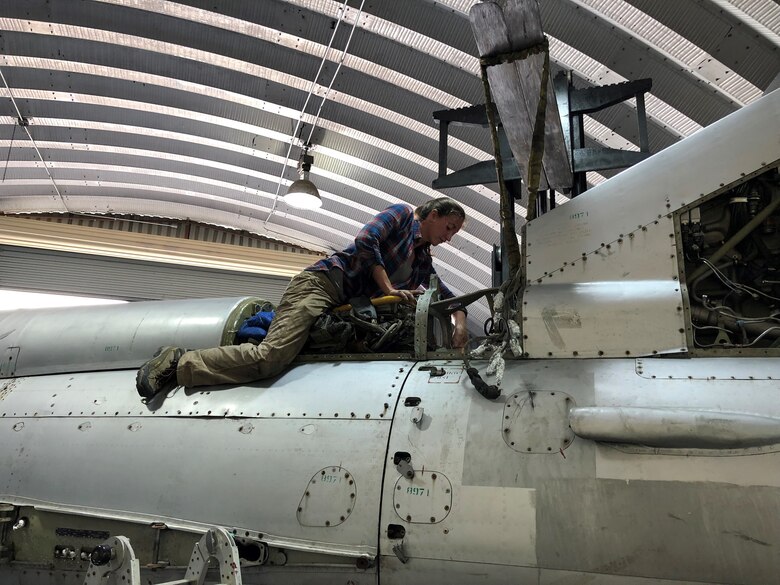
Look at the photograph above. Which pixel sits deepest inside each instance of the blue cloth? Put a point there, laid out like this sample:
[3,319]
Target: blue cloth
[255,327]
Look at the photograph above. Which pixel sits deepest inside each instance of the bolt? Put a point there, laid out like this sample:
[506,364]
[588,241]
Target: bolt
[21,523]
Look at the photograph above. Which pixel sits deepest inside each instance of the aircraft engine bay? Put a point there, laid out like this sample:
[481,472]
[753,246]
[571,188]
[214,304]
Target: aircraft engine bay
[731,245]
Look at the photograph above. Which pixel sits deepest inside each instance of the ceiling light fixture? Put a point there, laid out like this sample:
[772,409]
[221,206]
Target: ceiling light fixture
[312,198]
[303,194]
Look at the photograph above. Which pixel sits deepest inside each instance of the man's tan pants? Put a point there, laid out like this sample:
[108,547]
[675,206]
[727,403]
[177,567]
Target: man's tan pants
[308,295]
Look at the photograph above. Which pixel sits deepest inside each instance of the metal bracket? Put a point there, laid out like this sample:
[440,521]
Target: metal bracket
[399,551]
[112,563]
[430,307]
[404,467]
[115,563]
[434,372]
[417,415]
[215,544]
[421,319]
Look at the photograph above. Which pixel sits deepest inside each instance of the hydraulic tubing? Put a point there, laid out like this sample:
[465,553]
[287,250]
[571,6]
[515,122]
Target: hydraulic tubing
[738,237]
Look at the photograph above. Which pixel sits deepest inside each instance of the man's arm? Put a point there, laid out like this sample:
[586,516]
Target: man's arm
[460,334]
[379,274]
[367,241]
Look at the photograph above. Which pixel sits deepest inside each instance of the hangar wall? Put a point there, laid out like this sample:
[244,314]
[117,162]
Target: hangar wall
[52,271]
[116,261]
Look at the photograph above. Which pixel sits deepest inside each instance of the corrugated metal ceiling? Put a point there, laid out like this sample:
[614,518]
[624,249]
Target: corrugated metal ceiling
[187,109]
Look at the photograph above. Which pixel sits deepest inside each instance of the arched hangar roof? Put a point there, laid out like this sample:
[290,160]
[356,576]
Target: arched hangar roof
[188,109]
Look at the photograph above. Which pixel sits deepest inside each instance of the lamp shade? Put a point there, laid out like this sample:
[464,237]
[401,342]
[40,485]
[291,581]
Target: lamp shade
[302,194]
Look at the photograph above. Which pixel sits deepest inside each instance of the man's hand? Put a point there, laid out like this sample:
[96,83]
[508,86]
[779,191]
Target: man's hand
[460,337]
[384,284]
[407,296]
[460,333]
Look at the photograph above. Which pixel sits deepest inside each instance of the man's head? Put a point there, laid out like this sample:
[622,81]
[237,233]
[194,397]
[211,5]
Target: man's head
[440,219]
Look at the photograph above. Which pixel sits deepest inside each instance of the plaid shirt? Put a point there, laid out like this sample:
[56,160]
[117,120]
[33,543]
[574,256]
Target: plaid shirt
[387,240]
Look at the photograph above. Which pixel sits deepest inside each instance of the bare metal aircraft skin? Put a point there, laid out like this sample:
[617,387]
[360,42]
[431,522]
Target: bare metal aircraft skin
[636,441]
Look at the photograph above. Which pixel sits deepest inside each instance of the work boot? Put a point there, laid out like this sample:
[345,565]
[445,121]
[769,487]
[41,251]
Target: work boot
[159,373]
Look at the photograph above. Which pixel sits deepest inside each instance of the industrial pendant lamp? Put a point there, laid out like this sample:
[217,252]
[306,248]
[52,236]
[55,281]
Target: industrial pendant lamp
[303,194]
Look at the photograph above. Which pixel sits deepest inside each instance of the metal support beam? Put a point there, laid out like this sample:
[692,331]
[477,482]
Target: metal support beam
[594,99]
[575,103]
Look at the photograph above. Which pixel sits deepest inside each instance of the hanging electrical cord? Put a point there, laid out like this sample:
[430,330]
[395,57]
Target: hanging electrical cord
[336,73]
[324,97]
[22,121]
[303,109]
[10,147]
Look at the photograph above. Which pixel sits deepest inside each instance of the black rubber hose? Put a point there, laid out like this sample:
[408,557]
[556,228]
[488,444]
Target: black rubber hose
[489,391]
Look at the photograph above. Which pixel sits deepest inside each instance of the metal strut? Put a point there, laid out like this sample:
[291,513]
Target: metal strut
[115,563]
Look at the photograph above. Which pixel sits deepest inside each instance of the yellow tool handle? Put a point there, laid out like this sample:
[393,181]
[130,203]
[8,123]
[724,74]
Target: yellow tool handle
[377,302]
